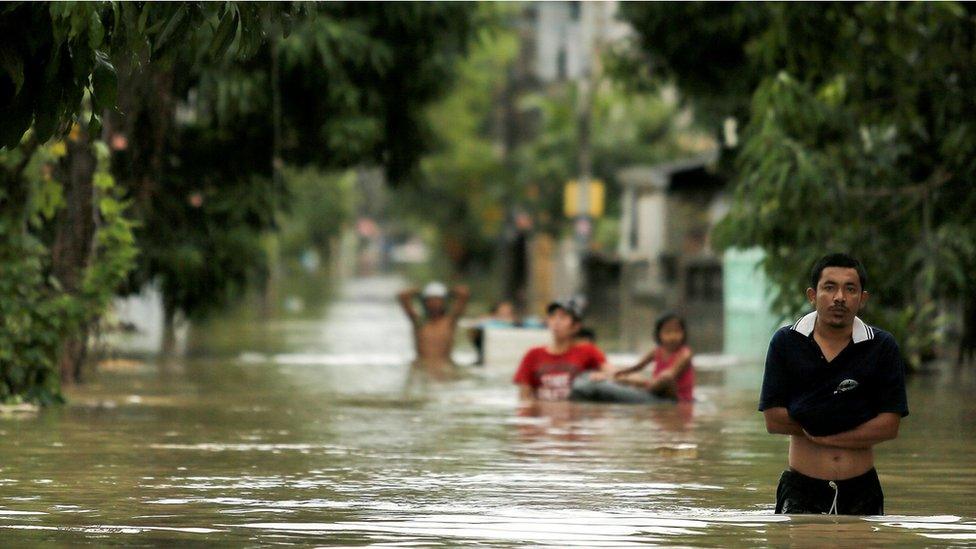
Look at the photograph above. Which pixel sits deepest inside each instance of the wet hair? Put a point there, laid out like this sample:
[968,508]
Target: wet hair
[664,319]
[838,260]
[586,333]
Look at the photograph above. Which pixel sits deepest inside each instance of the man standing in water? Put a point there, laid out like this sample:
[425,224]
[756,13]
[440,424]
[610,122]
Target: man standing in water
[433,334]
[837,387]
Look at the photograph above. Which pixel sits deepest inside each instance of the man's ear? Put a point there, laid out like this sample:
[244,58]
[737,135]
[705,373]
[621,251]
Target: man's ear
[864,298]
[812,296]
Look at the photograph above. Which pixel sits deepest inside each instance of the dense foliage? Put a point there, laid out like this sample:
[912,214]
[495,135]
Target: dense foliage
[337,86]
[859,137]
[37,313]
[507,143]
[202,105]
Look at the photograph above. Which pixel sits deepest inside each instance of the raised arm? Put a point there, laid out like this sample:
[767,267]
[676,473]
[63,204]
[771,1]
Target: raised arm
[779,422]
[461,296]
[406,298]
[882,427]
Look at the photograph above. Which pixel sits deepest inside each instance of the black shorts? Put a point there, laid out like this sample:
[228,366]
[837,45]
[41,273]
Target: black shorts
[800,494]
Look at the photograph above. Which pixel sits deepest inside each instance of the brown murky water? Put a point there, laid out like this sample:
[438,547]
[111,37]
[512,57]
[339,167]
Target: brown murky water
[307,432]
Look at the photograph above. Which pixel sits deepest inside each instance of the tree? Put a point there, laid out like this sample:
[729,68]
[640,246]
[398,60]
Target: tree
[466,174]
[705,48]
[59,64]
[628,127]
[43,309]
[858,138]
[338,86]
[478,174]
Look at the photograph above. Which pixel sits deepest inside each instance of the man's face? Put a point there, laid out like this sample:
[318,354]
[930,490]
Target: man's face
[434,306]
[562,324]
[838,296]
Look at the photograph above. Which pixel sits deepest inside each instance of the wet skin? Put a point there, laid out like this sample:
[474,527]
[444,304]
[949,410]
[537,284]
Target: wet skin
[563,327]
[672,337]
[837,298]
[434,332]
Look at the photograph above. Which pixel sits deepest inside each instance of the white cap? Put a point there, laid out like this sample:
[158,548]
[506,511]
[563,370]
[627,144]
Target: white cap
[434,289]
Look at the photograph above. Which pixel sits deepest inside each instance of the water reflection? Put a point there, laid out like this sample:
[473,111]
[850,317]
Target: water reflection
[299,442]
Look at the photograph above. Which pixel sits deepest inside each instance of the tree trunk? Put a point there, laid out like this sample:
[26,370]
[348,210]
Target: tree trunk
[168,350]
[74,350]
[74,243]
[967,340]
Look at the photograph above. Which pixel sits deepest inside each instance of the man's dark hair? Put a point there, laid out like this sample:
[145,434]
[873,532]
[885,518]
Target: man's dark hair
[838,260]
[663,319]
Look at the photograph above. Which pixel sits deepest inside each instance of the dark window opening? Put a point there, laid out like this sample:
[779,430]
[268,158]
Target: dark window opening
[704,283]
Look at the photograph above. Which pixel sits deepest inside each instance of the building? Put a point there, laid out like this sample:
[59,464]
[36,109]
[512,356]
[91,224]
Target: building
[564,36]
[667,260]
[668,263]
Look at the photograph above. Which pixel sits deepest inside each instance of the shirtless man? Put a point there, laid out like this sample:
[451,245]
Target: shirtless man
[836,386]
[433,333]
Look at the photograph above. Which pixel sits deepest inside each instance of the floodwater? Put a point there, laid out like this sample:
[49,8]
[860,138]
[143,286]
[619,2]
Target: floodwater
[307,432]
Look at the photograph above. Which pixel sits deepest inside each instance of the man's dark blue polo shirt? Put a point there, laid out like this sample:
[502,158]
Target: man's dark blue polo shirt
[864,380]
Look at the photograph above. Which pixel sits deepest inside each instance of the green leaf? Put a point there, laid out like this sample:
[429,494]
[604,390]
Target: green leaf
[143,17]
[49,198]
[96,32]
[94,126]
[103,181]
[12,64]
[170,29]
[104,83]
[109,206]
[226,32]
[16,122]
[47,113]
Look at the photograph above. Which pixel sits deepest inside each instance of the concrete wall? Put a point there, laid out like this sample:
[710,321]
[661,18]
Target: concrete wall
[749,324]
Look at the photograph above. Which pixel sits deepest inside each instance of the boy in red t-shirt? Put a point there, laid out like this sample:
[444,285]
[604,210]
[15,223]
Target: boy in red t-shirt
[547,373]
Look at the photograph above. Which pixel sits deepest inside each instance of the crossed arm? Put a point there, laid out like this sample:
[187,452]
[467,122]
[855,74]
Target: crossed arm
[876,430]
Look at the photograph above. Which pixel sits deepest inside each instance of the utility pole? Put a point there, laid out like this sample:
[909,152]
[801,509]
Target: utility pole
[592,23]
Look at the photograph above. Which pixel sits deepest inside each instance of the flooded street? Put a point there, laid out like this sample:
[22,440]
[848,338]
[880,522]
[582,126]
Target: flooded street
[312,432]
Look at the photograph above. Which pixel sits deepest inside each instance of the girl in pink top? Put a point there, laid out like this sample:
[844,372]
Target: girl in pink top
[673,375]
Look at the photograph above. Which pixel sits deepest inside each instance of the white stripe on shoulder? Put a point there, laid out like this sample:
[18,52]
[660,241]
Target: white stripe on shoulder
[806,323]
[862,332]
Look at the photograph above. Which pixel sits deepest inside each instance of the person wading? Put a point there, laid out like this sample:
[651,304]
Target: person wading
[433,333]
[836,386]
[546,373]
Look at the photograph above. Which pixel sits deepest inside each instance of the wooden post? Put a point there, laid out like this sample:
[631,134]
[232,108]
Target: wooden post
[541,266]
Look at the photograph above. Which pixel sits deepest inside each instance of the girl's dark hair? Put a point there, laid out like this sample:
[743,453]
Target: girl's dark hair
[663,319]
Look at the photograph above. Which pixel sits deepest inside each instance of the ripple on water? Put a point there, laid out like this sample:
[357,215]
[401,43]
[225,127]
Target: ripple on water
[294,447]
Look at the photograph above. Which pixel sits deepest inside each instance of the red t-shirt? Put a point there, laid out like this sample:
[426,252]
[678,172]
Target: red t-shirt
[552,375]
[685,381]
